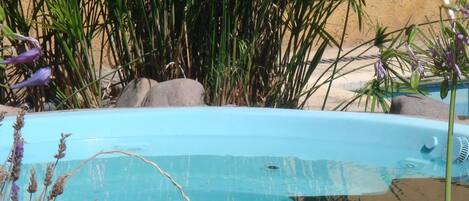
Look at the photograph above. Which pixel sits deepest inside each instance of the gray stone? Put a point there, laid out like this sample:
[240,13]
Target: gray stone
[135,92]
[9,110]
[463,119]
[423,107]
[418,105]
[176,93]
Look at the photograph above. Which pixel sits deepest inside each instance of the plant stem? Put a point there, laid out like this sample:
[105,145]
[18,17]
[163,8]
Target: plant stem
[344,31]
[449,151]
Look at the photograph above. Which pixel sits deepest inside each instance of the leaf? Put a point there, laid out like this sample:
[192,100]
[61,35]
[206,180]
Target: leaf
[448,32]
[414,80]
[388,53]
[380,36]
[7,32]
[2,14]
[461,29]
[411,33]
[444,88]
[466,52]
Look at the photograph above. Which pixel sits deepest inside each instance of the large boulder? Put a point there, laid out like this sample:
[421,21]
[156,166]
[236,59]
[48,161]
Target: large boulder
[421,106]
[175,93]
[135,92]
[418,105]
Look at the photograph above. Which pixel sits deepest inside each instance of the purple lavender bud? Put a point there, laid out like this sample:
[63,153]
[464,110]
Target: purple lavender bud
[461,41]
[449,58]
[25,57]
[14,192]
[415,62]
[19,149]
[437,61]
[465,10]
[380,72]
[451,64]
[457,70]
[40,77]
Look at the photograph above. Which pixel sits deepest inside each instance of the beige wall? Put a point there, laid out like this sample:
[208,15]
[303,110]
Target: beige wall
[391,13]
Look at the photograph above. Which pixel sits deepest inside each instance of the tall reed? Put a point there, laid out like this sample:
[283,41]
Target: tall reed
[254,53]
[244,52]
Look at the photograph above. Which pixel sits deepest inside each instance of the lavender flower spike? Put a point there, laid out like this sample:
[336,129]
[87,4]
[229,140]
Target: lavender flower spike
[452,64]
[40,77]
[415,62]
[14,192]
[380,72]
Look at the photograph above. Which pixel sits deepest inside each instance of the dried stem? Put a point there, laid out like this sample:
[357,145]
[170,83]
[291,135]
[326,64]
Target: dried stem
[47,180]
[32,188]
[130,154]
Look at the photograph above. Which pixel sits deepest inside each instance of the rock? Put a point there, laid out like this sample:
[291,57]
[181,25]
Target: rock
[424,107]
[418,105]
[9,110]
[135,92]
[176,93]
[463,119]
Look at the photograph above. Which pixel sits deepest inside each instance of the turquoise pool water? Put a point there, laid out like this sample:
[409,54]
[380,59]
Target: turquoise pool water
[235,154]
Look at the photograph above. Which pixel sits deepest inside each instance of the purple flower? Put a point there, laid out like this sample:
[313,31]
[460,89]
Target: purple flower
[25,57]
[40,77]
[451,64]
[14,192]
[415,62]
[380,72]
[32,41]
[19,150]
[465,10]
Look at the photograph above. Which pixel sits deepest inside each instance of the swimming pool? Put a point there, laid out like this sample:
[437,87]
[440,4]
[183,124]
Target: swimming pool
[236,154]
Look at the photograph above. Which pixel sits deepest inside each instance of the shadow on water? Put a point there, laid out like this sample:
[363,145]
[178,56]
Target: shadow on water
[404,190]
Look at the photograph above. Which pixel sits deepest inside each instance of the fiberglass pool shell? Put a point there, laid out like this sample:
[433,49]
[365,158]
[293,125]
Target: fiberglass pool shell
[340,150]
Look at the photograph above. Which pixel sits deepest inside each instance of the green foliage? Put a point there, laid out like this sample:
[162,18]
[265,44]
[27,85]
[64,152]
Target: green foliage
[415,80]
[444,88]
[2,14]
[411,32]
[66,30]
[244,52]
[255,53]
[442,54]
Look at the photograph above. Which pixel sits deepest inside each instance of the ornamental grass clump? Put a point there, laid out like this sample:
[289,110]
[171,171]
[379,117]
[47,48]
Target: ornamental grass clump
[252,53]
